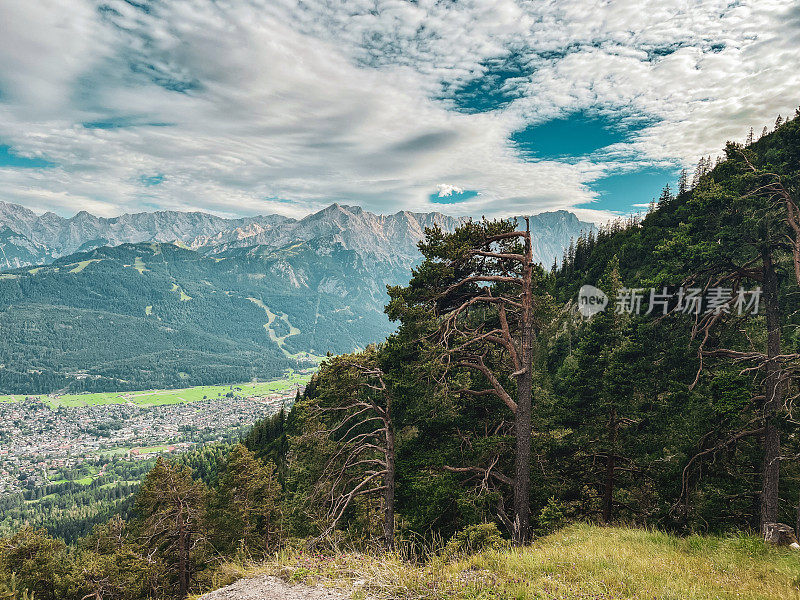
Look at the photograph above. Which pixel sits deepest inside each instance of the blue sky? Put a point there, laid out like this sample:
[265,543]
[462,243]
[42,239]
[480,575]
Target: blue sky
[479,107]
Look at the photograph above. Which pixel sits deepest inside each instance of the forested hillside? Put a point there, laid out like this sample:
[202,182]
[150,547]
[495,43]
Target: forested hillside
[497,410]
[155,315]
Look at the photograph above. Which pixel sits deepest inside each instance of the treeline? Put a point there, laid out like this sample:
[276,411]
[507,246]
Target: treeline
[501,400]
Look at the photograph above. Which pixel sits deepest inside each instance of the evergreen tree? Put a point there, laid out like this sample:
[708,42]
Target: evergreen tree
[484,291]
[737,233]
[245,506]
[666,196]
[36,561]
[683,182]
[598,387]
[172,509]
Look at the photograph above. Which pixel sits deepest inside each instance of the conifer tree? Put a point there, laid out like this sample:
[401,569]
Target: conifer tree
[666,196]
[246,504]
[482,288]
[742,228]
[172,507]
[683,182]
[33,556]
[355,433]
[598,390]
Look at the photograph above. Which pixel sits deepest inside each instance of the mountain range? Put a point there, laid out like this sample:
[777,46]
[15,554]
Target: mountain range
[169,299]
[30,239]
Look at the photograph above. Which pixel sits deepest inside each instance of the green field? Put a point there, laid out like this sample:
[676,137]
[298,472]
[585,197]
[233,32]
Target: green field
[176,396]
[153,449]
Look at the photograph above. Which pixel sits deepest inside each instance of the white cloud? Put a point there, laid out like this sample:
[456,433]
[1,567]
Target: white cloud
[445,190]
[270,105]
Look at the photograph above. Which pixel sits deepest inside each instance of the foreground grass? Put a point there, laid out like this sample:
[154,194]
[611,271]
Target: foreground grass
[580,562]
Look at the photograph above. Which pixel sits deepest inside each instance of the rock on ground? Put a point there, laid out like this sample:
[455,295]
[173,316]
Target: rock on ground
[272,588]
[780,534]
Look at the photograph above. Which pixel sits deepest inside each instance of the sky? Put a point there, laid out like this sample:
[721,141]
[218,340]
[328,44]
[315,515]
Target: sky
[482,107]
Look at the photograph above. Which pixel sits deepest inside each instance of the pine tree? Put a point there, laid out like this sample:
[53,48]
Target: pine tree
[683,182]
[598,389]
[172,506]
[666,196]
[698,172]
[750,138]
[34,557]
[778,122]
[246,504]
[765,131]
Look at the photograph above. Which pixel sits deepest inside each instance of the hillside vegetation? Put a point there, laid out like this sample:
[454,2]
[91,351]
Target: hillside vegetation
[580,562]
[141,316]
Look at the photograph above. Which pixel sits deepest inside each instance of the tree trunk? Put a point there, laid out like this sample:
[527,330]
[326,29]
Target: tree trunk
[797,519]
[773,398]
[611,467]
[183,562]
[522,418]
[388,509]
[522,460]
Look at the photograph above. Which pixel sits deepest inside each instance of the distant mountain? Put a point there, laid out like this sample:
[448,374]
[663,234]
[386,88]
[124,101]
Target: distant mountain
[381,238]
[85,231]
[169,299]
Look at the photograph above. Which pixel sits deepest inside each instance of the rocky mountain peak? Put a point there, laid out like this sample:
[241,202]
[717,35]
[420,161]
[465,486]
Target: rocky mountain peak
[390,239]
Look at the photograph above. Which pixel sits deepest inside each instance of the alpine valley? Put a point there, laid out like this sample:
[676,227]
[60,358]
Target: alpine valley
[168,299]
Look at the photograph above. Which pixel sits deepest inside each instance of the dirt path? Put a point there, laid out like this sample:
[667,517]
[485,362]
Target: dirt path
[272,588]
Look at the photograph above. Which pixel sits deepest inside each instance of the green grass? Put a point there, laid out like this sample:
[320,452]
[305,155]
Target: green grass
[139,265]
[581,562]
[80,266]
[176,396]
[153,449]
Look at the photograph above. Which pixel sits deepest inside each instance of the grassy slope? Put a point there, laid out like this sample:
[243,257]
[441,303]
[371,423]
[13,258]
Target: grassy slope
[580,562]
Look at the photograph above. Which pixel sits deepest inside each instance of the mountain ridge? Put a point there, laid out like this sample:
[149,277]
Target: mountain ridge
[40,239]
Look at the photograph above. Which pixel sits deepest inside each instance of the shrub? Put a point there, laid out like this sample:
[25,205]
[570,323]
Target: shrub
[474,539]
[552,516]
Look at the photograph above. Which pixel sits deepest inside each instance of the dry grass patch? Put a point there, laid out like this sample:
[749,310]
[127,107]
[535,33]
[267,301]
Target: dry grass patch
[581,562]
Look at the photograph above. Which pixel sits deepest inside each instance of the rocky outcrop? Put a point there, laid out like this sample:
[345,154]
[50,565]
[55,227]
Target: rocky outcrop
[272,588]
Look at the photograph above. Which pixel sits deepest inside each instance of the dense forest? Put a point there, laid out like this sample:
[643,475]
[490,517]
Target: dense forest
[143,316]
[497,402]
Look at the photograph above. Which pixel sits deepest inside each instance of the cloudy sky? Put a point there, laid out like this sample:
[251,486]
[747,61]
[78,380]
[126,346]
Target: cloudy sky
[492,107]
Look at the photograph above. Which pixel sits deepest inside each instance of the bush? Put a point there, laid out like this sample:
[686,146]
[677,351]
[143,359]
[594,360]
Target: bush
[474,539]
[552,516]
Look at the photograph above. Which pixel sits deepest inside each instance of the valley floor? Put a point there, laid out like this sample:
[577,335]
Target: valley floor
[580,562]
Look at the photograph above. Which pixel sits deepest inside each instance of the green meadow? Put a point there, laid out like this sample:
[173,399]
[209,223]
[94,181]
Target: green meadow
[172,396]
